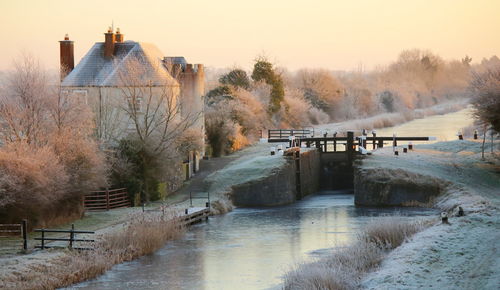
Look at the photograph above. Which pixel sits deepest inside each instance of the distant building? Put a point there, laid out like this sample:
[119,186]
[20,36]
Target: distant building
[96,79]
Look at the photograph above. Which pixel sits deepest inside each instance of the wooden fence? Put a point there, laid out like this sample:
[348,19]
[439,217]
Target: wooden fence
[15,230]
[72,239]
[106,199]
[285,133]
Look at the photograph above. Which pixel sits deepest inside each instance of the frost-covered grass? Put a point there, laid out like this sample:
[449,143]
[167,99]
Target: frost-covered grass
[344,267]
[462,255]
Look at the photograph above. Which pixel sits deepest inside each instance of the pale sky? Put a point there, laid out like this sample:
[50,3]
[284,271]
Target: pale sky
[330,34]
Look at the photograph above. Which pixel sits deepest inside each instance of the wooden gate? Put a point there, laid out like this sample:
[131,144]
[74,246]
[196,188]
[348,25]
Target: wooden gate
[106,199]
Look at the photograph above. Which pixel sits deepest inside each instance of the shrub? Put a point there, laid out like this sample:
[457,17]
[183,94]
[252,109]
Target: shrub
[32,180]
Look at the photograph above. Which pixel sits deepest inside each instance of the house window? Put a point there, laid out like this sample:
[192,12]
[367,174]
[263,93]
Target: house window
[135,104]
[80,95]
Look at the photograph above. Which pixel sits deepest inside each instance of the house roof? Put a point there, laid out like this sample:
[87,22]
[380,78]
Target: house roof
[96,70]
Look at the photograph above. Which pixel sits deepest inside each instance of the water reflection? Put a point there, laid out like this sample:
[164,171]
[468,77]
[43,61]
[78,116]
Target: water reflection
[247,248]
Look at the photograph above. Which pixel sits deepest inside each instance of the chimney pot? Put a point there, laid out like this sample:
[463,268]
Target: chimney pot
[118,35]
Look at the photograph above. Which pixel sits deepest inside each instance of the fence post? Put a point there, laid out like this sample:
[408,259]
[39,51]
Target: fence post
[43,239]
[71,236]
[374,142]
[24,230]
[107,199]
[334,141]
[191,198]
[350,147]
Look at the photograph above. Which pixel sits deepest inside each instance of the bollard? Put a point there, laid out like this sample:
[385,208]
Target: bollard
[410,146]
[396,152]
[25,234]
[444,218]
[475,134]
[273,150]
[186,211]
[460,136]
[43,239]
[405,150]
[72,236]
[374,134]
[461,211]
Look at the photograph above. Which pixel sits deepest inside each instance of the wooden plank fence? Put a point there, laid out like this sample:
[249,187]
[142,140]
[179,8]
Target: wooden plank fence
[16,230]
[285,133]
[106,199]
[72,239]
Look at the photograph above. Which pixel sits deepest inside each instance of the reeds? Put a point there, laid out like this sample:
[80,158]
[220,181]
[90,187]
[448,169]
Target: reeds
[344,268]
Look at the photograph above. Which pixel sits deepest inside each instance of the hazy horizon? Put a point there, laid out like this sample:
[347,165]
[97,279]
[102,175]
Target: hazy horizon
[335,35]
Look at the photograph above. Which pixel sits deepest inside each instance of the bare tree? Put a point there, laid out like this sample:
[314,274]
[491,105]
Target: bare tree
[23,103]
[153,105]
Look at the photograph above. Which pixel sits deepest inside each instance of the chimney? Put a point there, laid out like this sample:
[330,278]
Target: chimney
[67,56]
[109,43]
[118,35]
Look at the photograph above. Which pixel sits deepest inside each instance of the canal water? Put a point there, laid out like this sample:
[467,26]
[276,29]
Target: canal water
[254,248]
[249,248]
[443,127]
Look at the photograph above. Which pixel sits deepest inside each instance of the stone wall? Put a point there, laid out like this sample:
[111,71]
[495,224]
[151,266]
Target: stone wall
[384,187]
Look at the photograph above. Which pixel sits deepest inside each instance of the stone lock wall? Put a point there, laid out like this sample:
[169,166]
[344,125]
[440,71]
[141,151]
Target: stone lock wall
[390,187]
[279,187]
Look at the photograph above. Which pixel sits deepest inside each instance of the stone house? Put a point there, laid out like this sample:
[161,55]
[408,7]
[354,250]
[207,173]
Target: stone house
[98,79]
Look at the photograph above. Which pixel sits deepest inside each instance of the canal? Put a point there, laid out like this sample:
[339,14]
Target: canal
[252,248]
